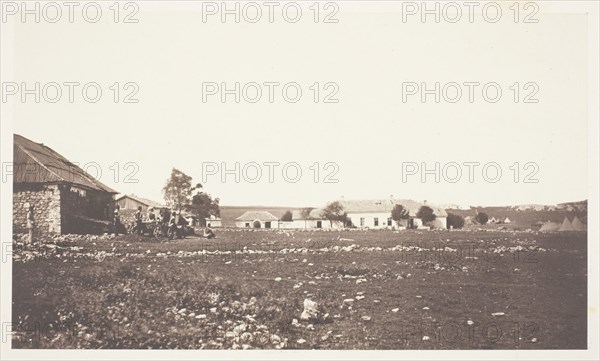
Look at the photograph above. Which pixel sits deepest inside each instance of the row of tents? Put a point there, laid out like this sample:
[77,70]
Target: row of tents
[565,226]
[495,220]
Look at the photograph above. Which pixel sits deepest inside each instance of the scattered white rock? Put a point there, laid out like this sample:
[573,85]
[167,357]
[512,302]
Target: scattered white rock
[498,314]
[310,310]
[366,318]
[239,329]
[277,279]
[395,310]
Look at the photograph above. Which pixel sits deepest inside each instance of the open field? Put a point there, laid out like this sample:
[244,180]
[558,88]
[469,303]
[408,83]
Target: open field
[374,290]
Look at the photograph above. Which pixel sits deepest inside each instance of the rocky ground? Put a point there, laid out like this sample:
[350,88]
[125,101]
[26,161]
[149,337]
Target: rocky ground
[307,289]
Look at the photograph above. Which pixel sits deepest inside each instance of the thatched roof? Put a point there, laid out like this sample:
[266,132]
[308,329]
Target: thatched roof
[37,163]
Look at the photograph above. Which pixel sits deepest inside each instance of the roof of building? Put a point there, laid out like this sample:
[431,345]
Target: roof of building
[145,201]
[386,205]
[315,213]
[257,215]
[37,163]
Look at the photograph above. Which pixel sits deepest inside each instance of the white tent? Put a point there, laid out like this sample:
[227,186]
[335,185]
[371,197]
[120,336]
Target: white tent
[492,220]
[566,226]
[506,220]
[549,227]
[578,225]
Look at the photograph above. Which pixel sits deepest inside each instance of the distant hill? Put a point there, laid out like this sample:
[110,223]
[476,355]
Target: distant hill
[580,206]
[522,215]
[529,214]
[454,206]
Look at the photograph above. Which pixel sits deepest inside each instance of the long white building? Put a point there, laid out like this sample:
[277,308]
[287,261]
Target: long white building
[377,214]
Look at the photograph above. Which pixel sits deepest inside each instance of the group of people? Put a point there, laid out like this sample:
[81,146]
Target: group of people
[170,221]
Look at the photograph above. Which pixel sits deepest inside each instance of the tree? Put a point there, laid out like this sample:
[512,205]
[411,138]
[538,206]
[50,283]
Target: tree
[455,221]
[399,213]
[426,214]
[305,212]
[482,218]
[178,190]
[287,216]
[334,212]
[203,206]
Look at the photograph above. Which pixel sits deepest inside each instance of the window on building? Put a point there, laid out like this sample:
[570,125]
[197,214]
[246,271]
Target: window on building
[247,225]
[376,221]
[319,224]
[389,222]
[267,224]
[362,221]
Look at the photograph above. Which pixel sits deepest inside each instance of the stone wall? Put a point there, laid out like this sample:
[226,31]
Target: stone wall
[61,209]
[47,208]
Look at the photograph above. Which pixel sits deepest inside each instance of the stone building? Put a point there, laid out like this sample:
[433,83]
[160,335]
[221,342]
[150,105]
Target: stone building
[65,198]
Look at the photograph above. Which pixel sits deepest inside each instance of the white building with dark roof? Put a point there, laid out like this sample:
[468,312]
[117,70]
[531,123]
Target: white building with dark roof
[309,219]
[377,214]
[257,219]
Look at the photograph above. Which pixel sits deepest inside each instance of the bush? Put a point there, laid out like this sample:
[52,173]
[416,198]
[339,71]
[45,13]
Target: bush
[455,221]
[482,218]
[287,217]
[426,214]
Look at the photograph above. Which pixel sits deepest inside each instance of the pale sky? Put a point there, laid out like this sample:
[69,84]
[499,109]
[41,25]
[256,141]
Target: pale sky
[369,133]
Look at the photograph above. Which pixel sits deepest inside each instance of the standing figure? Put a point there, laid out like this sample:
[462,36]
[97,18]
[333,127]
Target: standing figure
[30,223]
[151,215]
[116,221]
[172,230]
[138,220]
